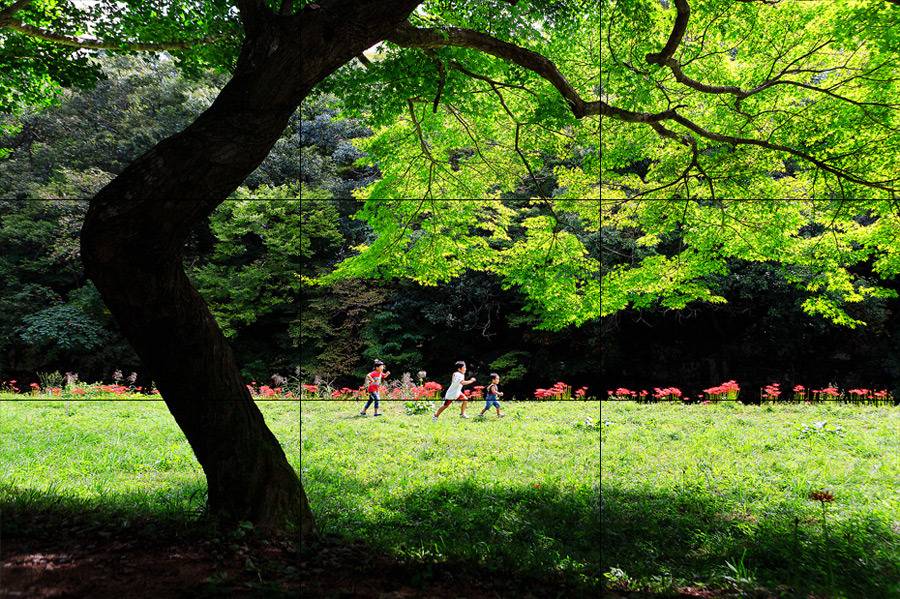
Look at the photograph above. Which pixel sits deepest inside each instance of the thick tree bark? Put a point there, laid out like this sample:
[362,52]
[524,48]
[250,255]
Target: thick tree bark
[132,253]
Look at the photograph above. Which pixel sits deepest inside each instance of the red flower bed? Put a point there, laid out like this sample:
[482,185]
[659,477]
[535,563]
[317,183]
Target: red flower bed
[730,391]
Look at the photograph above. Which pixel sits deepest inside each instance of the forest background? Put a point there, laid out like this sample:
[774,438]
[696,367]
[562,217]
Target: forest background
[247,257]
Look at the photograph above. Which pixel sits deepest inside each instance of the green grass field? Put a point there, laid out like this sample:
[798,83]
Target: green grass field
[129,458]
[712,496]
[718,495]
[517,494]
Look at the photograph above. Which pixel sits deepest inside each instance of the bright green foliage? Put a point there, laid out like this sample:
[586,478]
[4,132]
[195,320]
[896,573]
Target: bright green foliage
[34,70]
[836,67]
[534,247]
[818,245]
[467,148]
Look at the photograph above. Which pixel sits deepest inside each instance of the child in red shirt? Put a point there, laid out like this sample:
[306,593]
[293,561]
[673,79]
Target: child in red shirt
[373,382]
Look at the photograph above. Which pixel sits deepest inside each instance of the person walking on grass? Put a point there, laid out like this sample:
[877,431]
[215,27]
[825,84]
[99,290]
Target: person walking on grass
[491,394]
[373,382]
[454,391]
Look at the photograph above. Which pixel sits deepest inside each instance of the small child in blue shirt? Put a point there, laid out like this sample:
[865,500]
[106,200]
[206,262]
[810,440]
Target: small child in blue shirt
[491,394]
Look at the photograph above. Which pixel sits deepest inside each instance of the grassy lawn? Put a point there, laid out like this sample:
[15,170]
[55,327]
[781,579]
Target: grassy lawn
[127,457]
[718,495]
[519,493]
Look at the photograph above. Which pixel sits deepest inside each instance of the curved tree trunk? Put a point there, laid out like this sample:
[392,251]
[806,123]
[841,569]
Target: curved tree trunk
[135,228]
[132,253]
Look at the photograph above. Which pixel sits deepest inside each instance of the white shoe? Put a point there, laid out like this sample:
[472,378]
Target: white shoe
[463,415]
[434,418]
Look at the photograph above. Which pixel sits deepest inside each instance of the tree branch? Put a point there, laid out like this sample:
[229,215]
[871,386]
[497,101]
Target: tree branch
[91,44]
[408,36]
[7,13]
[671,114]
[442,81]
[537,185]
[666,58]
[681,21]
[465,71]
[743,141]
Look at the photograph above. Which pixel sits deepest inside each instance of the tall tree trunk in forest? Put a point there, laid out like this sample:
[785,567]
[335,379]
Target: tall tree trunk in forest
[132,253]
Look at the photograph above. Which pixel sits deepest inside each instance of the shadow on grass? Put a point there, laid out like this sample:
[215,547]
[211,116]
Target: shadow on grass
[652,541]
[535,532]
[139,545]
[36,513]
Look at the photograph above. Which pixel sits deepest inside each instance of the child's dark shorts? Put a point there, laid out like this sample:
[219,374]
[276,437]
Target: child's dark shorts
[491,400]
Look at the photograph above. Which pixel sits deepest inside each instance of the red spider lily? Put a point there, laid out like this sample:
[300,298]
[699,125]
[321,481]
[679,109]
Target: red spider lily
[342,393]
[730,390]
[771,392]
[826,393]
[114,389]
[669,393]
[868,394]
[727,390]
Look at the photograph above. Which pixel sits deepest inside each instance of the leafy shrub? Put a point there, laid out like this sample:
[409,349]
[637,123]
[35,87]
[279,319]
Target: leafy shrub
[62,327]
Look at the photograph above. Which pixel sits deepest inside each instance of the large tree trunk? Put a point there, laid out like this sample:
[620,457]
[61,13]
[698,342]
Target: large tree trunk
[132,253]
[132,249]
